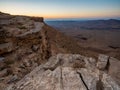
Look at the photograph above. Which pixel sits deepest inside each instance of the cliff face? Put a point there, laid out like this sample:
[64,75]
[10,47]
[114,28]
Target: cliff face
[23,46]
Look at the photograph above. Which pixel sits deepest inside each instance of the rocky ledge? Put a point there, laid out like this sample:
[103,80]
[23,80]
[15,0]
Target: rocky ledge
[72,72]
[24,45]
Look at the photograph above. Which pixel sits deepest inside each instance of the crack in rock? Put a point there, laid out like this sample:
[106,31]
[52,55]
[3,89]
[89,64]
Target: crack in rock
[82,80]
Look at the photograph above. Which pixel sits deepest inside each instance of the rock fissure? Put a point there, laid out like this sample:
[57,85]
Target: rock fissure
[107,65]
[61,79]
[99,85]
[82,79]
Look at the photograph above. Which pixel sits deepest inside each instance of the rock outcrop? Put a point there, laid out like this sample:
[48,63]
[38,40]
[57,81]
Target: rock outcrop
[23,46]
[65,72]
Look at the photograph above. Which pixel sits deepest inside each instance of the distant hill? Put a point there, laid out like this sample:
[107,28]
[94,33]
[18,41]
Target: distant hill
[111,24]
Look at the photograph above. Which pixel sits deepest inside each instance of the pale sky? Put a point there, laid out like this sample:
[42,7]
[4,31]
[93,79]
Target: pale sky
[63,8]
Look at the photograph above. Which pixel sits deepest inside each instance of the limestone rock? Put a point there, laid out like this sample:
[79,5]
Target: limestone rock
[90,63]
[59,74]
[90,78]
[102,61]
[23,45]
[71,80]
[109,83]
[114,69]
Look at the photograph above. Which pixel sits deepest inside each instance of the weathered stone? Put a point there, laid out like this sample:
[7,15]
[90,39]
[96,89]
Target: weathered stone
[57,74]
[89,77]
[6,47]
[102,61]
[52,63]
[13,79]
[35,48]
[90,63]
[62,78]
[3,73]
[109,83]
[114,70]
[71,80]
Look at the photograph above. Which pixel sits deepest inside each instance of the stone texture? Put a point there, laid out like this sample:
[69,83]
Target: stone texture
[24,45]
[114,69]
[13,79]
[57,74]
[90,78]
[3,73]
[102,61]
[6,47]
[71,80]
[109,83]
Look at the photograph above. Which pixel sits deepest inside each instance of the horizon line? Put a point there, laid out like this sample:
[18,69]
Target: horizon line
[68,18]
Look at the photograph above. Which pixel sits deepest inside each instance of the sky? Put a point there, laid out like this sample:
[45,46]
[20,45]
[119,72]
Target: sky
[51,9]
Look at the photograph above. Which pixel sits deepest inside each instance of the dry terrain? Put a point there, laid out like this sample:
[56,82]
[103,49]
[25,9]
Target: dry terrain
[102,36]
[36,56]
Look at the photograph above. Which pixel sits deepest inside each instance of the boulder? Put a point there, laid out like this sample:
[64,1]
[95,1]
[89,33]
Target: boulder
[102,61]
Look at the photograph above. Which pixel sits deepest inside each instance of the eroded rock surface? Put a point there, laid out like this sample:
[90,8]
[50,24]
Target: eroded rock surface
[23,46]
[60,73]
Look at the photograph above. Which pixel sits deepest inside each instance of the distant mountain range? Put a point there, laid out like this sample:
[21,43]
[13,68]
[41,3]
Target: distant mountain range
[111,24]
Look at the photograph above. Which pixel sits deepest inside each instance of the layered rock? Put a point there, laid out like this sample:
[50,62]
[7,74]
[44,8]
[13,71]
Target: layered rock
[61,72]
[23,46]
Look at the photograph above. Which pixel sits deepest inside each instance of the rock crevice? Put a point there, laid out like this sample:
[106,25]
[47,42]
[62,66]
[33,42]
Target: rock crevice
[83,80]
